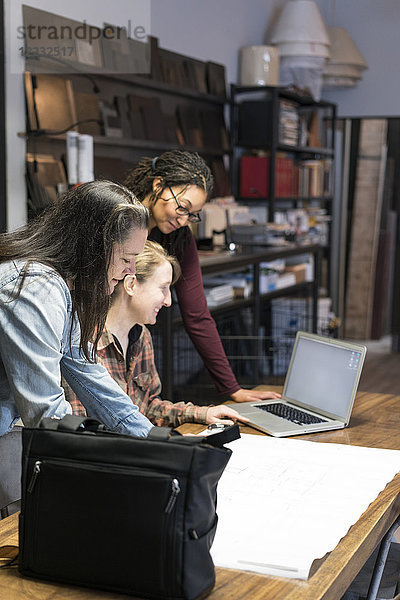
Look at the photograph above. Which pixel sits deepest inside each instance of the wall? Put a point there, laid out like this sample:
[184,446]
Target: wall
[209,30]
[212,29]
[374,27]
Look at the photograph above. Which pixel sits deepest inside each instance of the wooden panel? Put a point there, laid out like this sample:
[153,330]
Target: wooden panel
[365,229]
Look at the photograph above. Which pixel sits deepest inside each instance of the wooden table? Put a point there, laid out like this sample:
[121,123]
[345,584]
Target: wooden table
[375,423]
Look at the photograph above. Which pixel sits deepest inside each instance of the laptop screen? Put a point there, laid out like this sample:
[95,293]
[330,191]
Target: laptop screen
[324,375]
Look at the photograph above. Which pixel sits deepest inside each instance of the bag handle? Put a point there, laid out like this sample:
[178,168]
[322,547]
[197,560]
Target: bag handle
[161,433]
[72,423]
[229,434]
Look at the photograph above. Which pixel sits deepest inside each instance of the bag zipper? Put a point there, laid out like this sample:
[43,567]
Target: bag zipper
[175,489]
[34,476]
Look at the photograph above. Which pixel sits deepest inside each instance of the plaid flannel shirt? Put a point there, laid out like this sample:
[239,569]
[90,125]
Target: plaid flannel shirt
[140,380]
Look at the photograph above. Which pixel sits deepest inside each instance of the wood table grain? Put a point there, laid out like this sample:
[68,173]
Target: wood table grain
[375,423]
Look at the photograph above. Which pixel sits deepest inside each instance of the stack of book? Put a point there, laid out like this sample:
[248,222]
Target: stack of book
[288,123]
[220,294]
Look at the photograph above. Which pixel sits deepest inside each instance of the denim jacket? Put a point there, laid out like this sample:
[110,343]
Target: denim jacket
[35,351]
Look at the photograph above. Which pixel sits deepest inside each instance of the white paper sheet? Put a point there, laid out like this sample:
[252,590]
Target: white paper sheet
[283,503]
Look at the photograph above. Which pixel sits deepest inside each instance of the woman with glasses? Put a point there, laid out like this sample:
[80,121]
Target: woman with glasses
[174,187]
[126,348]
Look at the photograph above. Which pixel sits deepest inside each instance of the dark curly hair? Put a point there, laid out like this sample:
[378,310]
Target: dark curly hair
[75,236]
[173,168]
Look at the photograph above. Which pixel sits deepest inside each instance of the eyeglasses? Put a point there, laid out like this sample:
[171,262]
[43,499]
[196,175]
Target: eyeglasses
[181,210]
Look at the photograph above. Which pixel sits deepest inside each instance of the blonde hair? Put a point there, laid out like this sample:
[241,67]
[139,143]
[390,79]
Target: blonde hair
[151,256]
[146,263]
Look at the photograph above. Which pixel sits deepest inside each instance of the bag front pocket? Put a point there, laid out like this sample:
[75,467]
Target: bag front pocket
[104,526]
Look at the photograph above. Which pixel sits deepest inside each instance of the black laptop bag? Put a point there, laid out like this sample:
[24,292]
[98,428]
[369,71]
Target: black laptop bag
[130,515]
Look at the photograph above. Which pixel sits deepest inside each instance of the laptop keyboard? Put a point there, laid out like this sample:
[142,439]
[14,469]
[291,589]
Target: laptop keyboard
[290,414]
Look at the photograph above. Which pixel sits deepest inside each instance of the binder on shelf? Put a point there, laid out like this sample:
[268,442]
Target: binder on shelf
[72,157]
[50,102]
[213,128]
[122,106]
[216,83]
[88,109]
[146,118]
[254,177]
[45,176]
[222,184]
[172,70]
[111,119]
[85,158]
[254,123]
[173,133]
[116,50]
[199,68]
[111,168]
[189,121]
[155,63]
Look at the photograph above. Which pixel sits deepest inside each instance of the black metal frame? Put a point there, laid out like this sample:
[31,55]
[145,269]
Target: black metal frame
[3,180]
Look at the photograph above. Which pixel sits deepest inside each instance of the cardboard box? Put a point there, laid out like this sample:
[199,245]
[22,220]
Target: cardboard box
[299,271]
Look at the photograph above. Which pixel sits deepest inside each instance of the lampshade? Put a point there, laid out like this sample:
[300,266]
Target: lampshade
[343,49]
[300,21]
[346,63]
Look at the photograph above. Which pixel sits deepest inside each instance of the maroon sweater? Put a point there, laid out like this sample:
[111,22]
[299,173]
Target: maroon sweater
[197,320]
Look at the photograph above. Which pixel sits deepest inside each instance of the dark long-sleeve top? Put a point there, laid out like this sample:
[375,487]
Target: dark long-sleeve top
[197,320]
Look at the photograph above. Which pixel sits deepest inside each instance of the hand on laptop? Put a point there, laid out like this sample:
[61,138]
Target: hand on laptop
[224,414]
[243,395]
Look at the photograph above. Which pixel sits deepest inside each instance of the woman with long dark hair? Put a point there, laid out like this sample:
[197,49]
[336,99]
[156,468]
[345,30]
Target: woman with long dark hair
[56,277]
[174,187]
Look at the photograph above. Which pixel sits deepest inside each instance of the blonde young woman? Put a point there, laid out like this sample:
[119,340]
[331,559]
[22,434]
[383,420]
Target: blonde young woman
[126,348]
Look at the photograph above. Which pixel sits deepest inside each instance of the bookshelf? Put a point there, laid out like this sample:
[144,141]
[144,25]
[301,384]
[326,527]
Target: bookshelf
[283,155]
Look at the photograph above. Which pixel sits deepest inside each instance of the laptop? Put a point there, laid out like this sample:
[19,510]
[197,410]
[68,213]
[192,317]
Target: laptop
[319,390]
